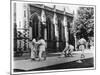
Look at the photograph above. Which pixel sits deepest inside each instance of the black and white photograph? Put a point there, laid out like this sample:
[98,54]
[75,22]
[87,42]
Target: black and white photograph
[49,37]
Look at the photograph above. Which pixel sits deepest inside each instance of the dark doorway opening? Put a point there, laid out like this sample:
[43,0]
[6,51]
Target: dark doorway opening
[35,26]
[51,42]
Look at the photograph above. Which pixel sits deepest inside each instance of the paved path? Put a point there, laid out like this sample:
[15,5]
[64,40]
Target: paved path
[28,64]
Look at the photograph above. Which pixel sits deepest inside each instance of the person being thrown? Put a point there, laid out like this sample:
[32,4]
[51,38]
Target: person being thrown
[67,51]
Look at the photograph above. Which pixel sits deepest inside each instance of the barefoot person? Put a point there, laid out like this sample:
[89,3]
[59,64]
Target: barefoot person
[42,46]
[33,49]
[65,51]
[82,45]
[68,50]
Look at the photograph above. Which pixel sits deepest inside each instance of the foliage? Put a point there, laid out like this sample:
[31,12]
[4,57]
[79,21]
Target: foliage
[84,24]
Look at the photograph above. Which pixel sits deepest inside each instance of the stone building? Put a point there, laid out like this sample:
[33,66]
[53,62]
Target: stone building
[40,20]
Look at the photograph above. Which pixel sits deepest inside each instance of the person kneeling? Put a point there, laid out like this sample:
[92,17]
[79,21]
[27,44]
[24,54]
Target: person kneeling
[68,51]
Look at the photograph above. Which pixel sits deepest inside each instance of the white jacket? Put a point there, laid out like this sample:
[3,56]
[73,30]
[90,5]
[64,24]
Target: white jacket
[42,45]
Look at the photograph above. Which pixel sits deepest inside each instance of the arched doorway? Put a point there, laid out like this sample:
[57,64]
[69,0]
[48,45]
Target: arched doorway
[35,24]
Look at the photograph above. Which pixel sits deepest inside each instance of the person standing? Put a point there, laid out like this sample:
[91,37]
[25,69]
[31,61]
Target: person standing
[42,46]
[33,49]
[82,46]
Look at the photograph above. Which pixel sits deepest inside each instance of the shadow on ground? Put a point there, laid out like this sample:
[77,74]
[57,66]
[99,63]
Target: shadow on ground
[86,63]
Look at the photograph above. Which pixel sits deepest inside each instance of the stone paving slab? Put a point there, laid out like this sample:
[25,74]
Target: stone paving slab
[28,64]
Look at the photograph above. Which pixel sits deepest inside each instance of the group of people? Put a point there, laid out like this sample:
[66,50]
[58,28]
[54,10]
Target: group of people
[37,48]
[69,48]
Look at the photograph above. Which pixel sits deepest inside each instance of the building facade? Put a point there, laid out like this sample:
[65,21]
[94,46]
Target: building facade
[39,20]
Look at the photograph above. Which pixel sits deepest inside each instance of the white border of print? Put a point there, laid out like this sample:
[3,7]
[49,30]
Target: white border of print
[31,72]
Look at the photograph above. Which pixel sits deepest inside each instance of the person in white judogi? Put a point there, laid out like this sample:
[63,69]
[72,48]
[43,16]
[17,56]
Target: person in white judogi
[82,45]
[71,49]
[68,50]
[42,46]
[65,50]
[33,49]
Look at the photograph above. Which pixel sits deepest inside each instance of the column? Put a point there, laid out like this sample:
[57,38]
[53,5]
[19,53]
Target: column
[65,27]
[55,22]
[43,20]
[66,34]
[74,19]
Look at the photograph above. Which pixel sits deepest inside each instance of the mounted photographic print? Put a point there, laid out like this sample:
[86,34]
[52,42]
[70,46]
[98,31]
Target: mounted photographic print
[49,37]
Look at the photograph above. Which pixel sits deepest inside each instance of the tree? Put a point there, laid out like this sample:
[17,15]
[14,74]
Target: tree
[85,22]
